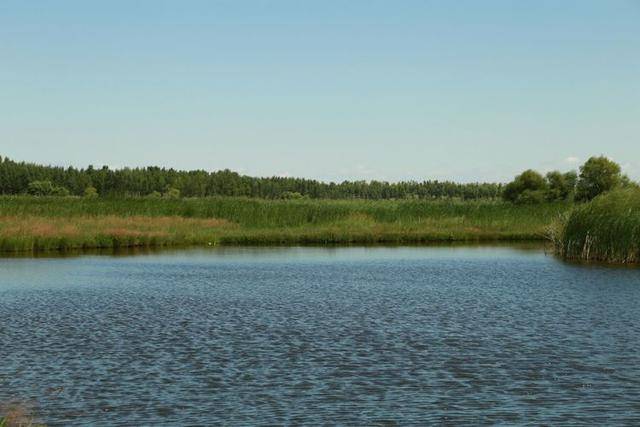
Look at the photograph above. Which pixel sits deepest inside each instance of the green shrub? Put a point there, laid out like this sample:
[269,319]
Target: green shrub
[46,188]
[90,192]
[529,197]
[291,195]
[171,193]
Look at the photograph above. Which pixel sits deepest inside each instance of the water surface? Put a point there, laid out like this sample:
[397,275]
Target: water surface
[356,336]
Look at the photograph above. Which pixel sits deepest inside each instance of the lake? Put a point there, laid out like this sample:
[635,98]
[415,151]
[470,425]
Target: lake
[352,336]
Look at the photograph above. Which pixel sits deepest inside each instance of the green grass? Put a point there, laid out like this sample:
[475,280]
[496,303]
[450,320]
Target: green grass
[607,229]
[38,224]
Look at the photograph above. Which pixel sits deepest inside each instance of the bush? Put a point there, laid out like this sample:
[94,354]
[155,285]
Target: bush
[529,197]
[172,193]
[60,191]
[291,195]
[46,188]
[40,188]
[90,192]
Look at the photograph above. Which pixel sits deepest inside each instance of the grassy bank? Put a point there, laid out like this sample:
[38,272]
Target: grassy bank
[38,224]
[607,229]
[16,415]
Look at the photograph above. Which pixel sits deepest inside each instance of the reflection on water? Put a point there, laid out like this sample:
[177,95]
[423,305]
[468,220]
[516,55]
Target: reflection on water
[363,335]
[525,245]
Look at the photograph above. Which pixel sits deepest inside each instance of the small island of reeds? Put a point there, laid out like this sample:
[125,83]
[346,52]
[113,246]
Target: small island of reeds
[607,229]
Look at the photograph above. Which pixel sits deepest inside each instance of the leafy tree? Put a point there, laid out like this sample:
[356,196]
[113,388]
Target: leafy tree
[561,186]
[528,187]
[598,175]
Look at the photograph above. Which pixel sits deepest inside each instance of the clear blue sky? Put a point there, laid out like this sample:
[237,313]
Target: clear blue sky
[466,90]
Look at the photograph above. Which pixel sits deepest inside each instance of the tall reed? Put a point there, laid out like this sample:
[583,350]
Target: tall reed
[29,223]
[607,229]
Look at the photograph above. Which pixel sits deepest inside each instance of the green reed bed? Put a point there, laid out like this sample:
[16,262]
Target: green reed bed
[28,223]
[607,229]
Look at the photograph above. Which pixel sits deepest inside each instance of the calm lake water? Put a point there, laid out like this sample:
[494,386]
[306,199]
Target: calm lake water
[355,336]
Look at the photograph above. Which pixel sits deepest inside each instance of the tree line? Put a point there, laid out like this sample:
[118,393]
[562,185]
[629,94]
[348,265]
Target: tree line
[29,178]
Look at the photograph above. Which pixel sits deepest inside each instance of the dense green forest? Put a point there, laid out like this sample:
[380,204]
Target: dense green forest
[29,178]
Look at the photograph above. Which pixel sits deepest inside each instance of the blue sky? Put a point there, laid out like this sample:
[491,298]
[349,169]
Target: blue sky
[394,90]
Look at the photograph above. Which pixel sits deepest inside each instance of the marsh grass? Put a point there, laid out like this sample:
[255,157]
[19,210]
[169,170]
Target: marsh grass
[39,224]
[607,229]
[17,415]
[39,233]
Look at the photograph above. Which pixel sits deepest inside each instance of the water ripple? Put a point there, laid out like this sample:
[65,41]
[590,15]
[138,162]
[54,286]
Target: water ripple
[311,336]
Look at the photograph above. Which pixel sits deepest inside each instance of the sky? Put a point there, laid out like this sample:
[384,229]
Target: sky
[331,90]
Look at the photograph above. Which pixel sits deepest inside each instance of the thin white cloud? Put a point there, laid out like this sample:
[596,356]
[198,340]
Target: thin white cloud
[571,160]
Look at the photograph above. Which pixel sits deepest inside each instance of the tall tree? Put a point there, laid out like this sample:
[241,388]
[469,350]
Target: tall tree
[597,175]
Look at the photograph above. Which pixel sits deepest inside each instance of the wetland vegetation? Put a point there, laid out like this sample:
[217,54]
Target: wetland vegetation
[49,223]
[592,215]
[607,229]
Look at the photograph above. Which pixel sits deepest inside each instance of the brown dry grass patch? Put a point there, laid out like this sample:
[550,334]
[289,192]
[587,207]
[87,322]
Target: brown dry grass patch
[17,415]
[116,226]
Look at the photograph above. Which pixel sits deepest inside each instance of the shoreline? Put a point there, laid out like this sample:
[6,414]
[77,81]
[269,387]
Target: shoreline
[524,244]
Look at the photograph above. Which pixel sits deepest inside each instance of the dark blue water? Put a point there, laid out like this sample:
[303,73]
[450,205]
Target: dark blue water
[355,336]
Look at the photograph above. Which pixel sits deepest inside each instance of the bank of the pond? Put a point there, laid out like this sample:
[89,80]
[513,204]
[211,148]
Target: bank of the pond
[17,415]
[607,229]
[43,224]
